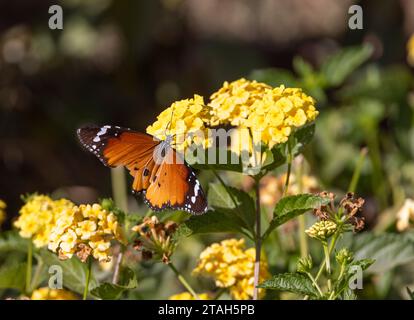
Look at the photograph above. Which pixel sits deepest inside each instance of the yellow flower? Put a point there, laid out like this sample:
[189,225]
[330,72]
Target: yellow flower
[52,294]
[185,120]
[38,217]
[232,103]
[85,230]
[410,51]
[405,216]
[3,207]
[189,296]
[231,266]
[273,112]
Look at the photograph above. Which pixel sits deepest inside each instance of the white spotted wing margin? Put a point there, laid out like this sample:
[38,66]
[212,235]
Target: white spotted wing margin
[95,138]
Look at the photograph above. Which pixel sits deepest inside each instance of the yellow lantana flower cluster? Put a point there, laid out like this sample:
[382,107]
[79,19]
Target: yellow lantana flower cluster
[183,120]
[46,293]
[233,102]
[85,230]
[271,112]
[189,296]
[38,217]
[3,207]
[231,266]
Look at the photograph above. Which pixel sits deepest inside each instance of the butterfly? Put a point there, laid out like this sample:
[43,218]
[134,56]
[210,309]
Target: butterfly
[160,173]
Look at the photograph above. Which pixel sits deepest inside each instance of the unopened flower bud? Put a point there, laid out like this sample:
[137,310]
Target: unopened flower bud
[304,265]
[344,256]
[322,230]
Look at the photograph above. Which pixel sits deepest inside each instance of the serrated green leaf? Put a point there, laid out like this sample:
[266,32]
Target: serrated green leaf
[13,276]
[74,271]
[110,291]
[388,250]
[232,201]
[340,65]
[213,222]
[302,137]
[292,206]
[291,282]
[363,263]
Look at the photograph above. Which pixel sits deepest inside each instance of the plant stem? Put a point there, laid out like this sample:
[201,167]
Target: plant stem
[258,242]
[315,284]
[327,263]
[119,193]
[118,263]
[331,247]
[88,277]
[357,171]
[119,189]
[29,265]
[38,271]
[183,281]
[303,240]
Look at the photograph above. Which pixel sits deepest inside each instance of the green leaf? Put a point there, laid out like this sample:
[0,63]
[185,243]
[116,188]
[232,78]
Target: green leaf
[11,241]
[302,137]
[388,250]
[291,282]
[340,65]
[302,67]
[363,263]
[110,291]
[13,276]
[349,294]
[292,206]
[232,201]
[274,158]
[213,222]
[274,77]
[74,271]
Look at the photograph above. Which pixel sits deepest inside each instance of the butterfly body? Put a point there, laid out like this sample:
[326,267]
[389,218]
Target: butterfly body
[160,173]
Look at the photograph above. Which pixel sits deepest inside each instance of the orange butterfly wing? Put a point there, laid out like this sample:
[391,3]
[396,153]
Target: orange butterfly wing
[175,185]
[159,172]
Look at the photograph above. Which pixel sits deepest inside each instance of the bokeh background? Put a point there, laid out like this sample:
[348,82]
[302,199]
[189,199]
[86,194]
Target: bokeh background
[123,62]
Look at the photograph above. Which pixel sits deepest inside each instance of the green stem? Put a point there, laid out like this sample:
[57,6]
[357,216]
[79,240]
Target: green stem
[328,264]
[118,264]
[29,265]
[183,281]
[88,277]
[303,240]
[38,271]
[333,295]
[315,284]
[119,188]
[258,242]
[331,247]
[357,171]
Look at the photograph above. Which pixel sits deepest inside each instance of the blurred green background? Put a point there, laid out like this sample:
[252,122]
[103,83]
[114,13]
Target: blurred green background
[122,62]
